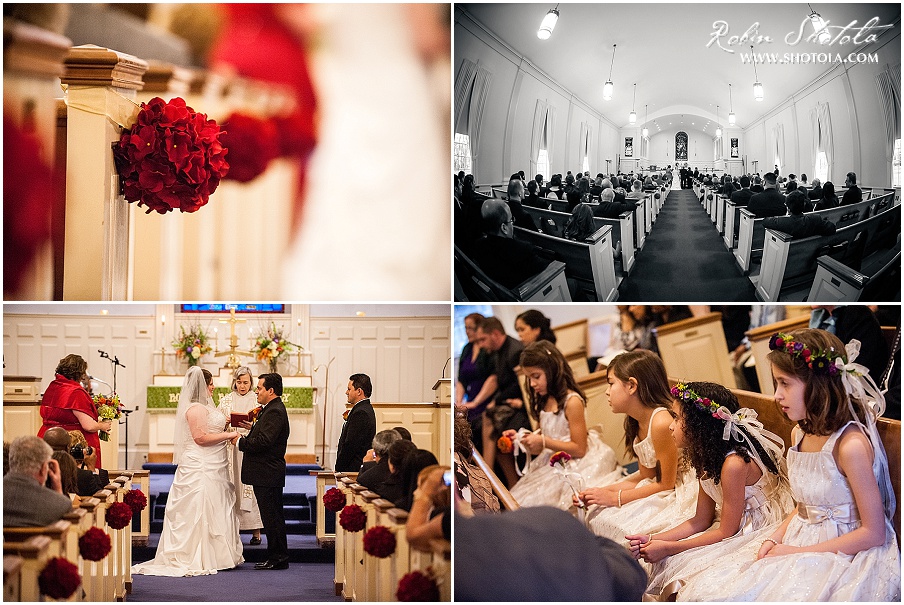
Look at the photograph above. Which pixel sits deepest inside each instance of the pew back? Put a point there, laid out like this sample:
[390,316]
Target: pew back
[571,340]
[695,349]
[471,283]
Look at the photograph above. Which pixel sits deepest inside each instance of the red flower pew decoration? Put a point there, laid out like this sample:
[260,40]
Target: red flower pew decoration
[59,579]
[171,158]
[119,515]
[417,586]
[136,500]
[252,143]
[95,544]
[379,541]
[352,518]
[333,500]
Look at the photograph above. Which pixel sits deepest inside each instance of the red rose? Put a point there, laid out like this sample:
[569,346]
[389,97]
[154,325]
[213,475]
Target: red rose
[95,544]
[352,518]
[379,541]
[59,579]
[136,500]
[417,586]
[334,500]
[119,515]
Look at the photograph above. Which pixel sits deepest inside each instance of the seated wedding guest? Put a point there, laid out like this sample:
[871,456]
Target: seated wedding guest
[68,475]
[555,186]
[403,432]
[90,478]
[636,191]
[538,179]
[816,192]
[799,225]
[502,257]
[540,554]
[391,488]
[584,188]
[828,199]
[430,517]
[853,195]
[532,198]
[580,225]
[569,183]
[515,195]
[377,470]
[789,187]
[757,186]
[802,182]
[665,314]
[770,202]
[26,501]
[574,198]
[532,325]
[742,197]
[597,187]
[412,465]
[849,322]
[609,207]
[727,186]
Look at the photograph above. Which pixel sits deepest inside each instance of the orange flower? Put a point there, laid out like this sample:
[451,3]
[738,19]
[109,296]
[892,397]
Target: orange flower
[505,445]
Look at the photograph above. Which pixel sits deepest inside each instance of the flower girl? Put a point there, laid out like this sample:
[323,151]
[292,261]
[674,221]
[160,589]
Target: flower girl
[646,500]
[557,402]
[839,543]
[743,485]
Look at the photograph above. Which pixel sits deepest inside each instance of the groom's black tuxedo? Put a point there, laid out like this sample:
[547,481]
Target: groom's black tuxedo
[264,468]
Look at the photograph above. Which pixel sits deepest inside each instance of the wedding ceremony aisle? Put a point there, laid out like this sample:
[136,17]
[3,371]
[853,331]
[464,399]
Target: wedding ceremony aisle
[684,258]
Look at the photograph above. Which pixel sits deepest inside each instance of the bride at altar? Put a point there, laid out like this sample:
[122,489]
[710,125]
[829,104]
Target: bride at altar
[200,529]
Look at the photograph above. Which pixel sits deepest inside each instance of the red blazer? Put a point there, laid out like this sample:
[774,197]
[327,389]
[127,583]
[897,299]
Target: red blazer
[61,399]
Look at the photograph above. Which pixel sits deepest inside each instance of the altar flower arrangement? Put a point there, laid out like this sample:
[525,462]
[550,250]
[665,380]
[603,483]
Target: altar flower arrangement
[170,158]
[192,344]
[252,143]
[272,345]
[119,515]
[334,500]
[417,586]
[379,541]
[108,408]
[59,579]
[95,544]
[136,500]
[352,518]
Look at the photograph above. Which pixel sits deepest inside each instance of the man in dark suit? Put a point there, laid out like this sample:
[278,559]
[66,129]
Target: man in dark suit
[26,500]
[853,195]
[264,467]
[609,207]
[855,321]
[757,185]
[742,198]
[360,425]
[770,202]
[800,225]
[502,257]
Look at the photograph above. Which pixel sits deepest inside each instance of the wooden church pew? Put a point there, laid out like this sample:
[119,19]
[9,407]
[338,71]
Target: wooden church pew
[12,578]
[836,282]
[34,553]
[695,349]
[571,340]
[590,262]
[506,500]
[622,232]
[790,263]
[471,283]
[759,346]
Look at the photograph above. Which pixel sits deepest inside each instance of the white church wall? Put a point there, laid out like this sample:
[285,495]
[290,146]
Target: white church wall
[699,147]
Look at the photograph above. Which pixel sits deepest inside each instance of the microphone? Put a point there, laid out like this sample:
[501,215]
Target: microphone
[446,366]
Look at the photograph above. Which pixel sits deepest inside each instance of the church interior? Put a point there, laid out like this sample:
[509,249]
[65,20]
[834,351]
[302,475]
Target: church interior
[625,92]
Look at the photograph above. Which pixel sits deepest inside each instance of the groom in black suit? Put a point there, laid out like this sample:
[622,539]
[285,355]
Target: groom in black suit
[264,467]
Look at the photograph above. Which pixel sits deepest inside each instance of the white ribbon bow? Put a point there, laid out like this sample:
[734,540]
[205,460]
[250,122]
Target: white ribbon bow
[517,445]
[747,418]
[856,379]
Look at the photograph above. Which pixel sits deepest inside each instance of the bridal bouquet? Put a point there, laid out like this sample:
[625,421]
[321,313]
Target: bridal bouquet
[192,344]
[108,408]
[272,345]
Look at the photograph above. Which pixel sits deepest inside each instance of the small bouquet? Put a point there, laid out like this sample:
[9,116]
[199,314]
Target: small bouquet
[559,463]
[108,408]
[272,345]
[505,445]
[192,344]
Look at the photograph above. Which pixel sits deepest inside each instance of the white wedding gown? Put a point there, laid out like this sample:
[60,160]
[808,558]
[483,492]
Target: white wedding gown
[200,529]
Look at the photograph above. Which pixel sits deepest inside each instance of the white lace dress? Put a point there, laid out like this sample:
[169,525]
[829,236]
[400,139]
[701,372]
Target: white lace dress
[816,481]
[200,529]
[655,513]
[542,485]
[766,502]
[245,502]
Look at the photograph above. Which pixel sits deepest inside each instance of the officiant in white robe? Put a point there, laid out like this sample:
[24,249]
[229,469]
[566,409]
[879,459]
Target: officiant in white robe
[242,400]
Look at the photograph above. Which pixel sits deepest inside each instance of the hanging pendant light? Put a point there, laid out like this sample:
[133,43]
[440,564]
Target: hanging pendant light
[819,24]
[718,126]
[608,87]
[646,115]
[757,85]
[731,115]
[632,117]
[548,24]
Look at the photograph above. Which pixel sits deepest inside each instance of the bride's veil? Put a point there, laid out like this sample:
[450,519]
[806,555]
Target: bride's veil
[194,390]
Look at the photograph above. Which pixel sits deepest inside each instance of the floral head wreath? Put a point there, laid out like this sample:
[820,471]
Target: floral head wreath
[822,362]
[744,418]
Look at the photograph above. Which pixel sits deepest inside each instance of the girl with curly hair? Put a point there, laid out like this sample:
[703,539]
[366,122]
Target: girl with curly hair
[839,543]
[557,403]
[639,388]
[743,486]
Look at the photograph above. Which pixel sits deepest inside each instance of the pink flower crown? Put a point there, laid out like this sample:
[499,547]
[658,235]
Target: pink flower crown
[681,391]
[821,362]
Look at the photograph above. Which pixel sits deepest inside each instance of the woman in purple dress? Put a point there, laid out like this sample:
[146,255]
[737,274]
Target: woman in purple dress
[473,370]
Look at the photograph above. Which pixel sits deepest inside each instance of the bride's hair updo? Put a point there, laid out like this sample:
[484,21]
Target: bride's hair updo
[208,377]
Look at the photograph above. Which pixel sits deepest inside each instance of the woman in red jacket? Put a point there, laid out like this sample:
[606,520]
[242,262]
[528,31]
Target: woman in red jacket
[66,403]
